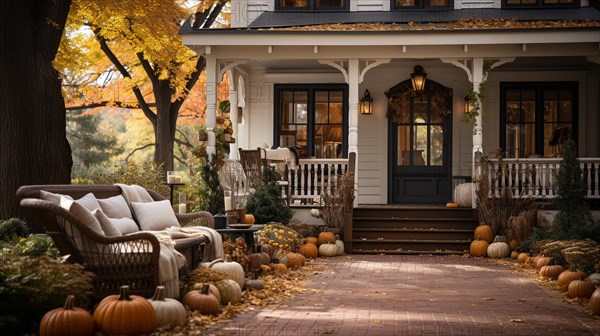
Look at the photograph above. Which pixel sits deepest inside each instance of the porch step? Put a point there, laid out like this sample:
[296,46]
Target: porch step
[412,229]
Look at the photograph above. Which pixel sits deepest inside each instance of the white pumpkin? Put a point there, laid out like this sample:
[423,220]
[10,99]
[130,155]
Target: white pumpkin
[168,311]
[340,247]
[498,250]
[229,290]
[328,250]
[594,278]
[234,269]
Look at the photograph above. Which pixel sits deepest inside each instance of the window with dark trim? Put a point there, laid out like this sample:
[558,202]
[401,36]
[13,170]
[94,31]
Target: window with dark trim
[540,3]
[536,118]
[422,4]
[313,5]
[313,118]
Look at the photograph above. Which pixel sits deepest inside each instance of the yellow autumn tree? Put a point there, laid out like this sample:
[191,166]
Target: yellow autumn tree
[129,54]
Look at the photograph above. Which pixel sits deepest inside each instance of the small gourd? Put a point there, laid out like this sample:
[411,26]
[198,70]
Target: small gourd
[229,290]
[595,279]
[202,301]
[328,250]
[234,269]
[212,289]
[168,311]
[255,260]
[280,257]
[124,314]
[451,205]
[254,283]
[543,261]
[67,321]
[514,254]
[522,258]
[249,219]
[498,250]
[279,268]
[309,250]
[326,238]
[478,248]
[581,289]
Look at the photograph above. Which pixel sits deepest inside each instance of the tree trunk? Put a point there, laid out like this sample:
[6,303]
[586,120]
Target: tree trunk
[33,143]
[166,125]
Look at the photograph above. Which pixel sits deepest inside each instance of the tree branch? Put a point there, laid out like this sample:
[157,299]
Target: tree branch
[200,65]
[121,68]
[137,149]
[118,104]
[216,10]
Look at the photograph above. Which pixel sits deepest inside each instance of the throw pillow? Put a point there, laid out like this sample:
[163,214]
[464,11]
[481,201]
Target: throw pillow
[52,197]
[125,225]
[79,210]
[115,207]
[154,216]
[89,201]
[109,228]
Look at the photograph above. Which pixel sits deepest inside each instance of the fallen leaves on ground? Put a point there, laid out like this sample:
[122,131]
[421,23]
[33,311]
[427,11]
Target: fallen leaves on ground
[278,288]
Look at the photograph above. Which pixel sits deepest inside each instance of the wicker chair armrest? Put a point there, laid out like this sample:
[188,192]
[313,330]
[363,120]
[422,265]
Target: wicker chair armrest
[188,217]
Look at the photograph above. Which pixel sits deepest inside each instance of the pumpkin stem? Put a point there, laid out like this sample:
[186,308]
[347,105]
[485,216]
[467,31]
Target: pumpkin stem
[204,289]
[159,294]
[479,237]
[216,261]
[69,302]
[124,293]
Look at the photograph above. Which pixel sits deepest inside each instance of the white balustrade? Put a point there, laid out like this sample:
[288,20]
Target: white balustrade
[537,177]
[312,177]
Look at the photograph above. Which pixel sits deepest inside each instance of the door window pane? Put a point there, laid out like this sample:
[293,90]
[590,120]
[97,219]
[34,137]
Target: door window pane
[420,146]
[403,145]
[520,140]
[437,145]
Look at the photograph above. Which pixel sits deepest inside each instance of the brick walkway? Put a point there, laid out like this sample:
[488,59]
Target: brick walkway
[417,295]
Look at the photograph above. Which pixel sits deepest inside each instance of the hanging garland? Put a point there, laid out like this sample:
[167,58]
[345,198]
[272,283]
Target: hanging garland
[400,95]
[478,98]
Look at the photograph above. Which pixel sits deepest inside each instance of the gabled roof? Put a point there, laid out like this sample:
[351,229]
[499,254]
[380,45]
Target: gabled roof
[270,20]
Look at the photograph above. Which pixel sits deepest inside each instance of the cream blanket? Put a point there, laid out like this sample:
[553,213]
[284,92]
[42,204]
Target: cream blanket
[212,251]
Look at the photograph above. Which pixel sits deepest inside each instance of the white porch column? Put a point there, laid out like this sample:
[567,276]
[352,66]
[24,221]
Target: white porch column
[233,114]
[477,79]
[353,81]
[211,101]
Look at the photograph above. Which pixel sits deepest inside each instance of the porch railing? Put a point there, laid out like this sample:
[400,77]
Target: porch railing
[538,177]
[312,177]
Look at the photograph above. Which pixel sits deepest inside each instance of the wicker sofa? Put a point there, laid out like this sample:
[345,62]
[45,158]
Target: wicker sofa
[127,259]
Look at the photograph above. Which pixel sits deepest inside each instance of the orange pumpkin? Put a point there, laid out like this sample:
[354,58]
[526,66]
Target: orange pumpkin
[279,268]
[295,260]
[485,232]
[249,219]
[451,205]
[478,248]
[522,257]
[581,289]
[566,277]
[309,250]
[552,271]
[312,240]
[326,238]
[125,314]
[543,261]
[202,301]
[67,321]
[594,303]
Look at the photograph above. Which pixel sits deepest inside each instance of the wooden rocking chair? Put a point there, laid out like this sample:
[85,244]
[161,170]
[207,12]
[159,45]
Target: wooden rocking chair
[254,161]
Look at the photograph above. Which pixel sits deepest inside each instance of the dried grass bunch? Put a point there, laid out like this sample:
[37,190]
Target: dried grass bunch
[338,201]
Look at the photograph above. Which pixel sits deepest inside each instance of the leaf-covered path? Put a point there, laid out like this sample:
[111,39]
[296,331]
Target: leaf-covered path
[417,295]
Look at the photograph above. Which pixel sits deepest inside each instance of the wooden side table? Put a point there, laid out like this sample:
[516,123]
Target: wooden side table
[247,233]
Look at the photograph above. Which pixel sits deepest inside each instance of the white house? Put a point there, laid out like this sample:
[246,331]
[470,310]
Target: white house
[298,70]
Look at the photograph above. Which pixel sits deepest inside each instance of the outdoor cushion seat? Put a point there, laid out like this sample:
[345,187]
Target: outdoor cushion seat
[131,258]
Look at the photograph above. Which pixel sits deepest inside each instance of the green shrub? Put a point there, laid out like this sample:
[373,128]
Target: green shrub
[34,246]
[266,204]
[147,174]
[205,191]
[13,228]
[31,286]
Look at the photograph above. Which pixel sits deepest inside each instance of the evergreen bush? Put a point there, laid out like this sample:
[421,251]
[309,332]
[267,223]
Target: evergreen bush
[266,203]
[13,228]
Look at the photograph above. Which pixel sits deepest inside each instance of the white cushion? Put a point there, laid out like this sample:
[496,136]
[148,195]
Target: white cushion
[109,228]
[125,225]
[154,216]
[79,210]
[115,207]
[53,197]
[89,201]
